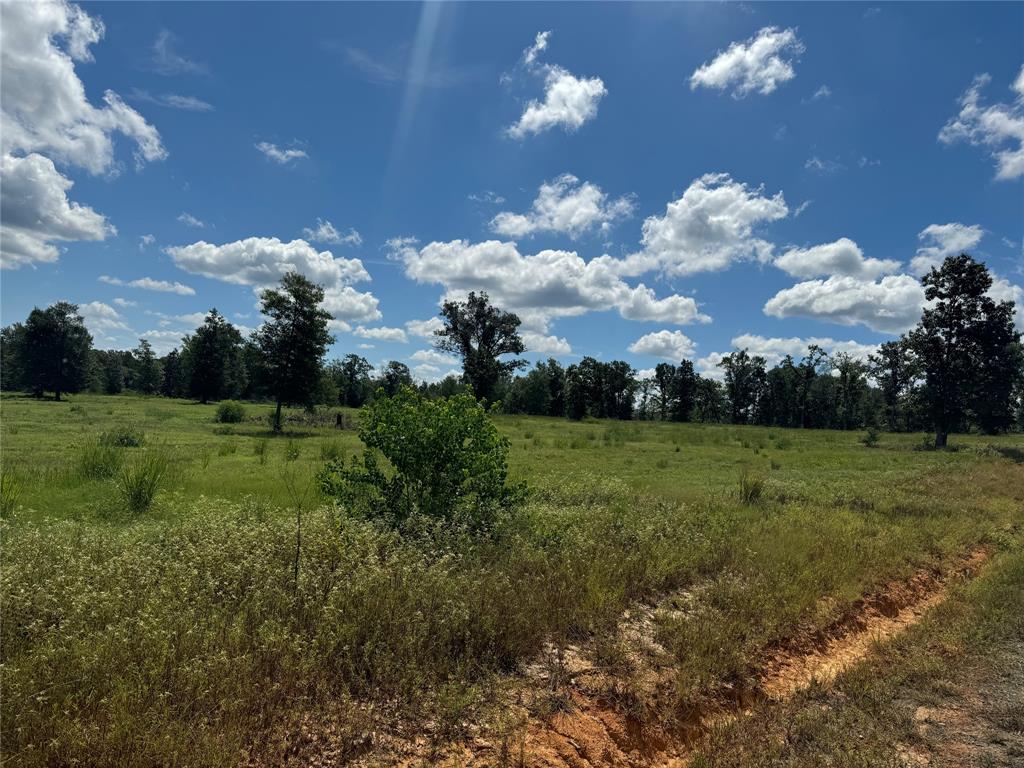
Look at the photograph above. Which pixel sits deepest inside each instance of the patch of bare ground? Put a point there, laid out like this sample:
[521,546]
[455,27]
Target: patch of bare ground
[603,704]
[977,718]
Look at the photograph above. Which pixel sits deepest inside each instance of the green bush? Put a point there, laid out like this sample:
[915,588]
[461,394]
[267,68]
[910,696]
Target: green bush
[141,479]
[870,439]
[230,412]
[100,460]
[445,460]
[124,437]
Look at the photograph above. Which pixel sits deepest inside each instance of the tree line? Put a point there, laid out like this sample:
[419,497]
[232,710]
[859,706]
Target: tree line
[961,368]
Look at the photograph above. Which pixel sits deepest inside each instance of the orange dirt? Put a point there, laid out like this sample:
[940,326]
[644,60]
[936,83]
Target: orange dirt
[589,731]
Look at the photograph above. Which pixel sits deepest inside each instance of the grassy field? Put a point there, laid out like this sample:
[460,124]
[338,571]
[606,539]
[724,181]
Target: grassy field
[197,632]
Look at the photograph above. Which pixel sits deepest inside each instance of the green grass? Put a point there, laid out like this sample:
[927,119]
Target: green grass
[169,625]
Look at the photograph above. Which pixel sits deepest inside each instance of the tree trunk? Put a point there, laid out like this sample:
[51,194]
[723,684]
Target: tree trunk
[941,437]
[277,417]
[56,395]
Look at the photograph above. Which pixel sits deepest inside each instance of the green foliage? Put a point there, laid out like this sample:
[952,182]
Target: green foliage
[480,334]
[259,449]
[870,438]
[10,492]
[968,349]
[212,360]
[751,486]
[129,436]
[55,350]
[230,412]
[293,341]
[141,479]
[99,460]
[445,460]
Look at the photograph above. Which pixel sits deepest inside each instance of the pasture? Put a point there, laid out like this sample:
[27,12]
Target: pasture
[241,618]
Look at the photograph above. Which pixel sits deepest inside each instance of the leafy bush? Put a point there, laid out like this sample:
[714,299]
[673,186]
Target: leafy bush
[230,412]
[124,437]
[870,439]
[100,460]
[140,480]
[445,460]
[10,491]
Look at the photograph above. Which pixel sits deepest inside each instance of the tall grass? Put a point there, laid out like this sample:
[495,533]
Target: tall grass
[10,492]
[99,460]
[141,479]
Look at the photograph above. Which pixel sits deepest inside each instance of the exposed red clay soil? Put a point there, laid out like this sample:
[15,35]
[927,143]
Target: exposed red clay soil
[569,712]
[590,731]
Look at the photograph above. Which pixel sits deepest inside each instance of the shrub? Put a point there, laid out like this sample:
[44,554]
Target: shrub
[124,437]
[751,486]
[870,438]
[100,460]
[445,460]
[10,492]
[230,412]
[140,480]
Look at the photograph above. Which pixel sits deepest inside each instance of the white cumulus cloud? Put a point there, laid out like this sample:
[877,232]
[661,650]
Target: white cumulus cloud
[325,232]
[45,117]
[758,65]
[261,262]
[565,206]
[941,240]
[670,345]
[381,333]
[708,228]
[569,101]
[890,305]
[541,286]
[842,257]
[149,284]
[35,212]
[1000,127]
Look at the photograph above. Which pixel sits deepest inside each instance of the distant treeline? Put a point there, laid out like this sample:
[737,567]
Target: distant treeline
[960,369]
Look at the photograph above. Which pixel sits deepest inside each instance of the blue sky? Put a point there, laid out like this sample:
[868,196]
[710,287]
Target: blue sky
[640,182]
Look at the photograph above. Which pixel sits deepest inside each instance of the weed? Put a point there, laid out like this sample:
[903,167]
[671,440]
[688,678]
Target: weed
[259,449]
[141,479]
[331,451]
[10,492]
[751,486]
[227,449]
[292,450]
[99,460]
[124,437]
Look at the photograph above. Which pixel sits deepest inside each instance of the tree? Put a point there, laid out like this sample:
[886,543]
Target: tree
[12,352]
[965,344]
[894,368]
[480,334]
[395,376]
[110,370]
[684,392]
[294,341]
[575,393]
[710,402]
[56,349]
[212,357]
[851,391]
[173,384]
[147,374]
[664,380]
[744,383]
[353,379]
